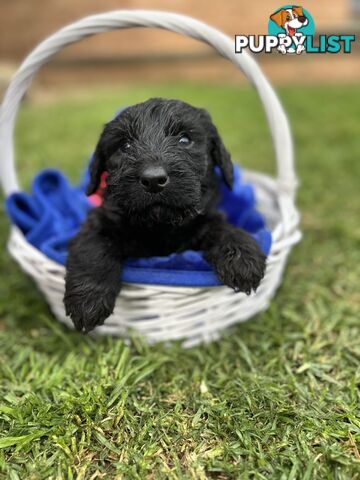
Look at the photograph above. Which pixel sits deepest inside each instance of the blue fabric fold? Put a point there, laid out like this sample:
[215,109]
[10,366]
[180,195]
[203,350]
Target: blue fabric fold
[52,213]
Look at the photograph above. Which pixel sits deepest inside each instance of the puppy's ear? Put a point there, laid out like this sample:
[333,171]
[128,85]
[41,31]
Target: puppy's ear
[106,145]
[277,18]
[97,167]
[221,156]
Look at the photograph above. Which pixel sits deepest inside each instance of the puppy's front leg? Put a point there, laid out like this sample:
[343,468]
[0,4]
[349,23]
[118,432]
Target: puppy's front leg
[92,280]
[234,254]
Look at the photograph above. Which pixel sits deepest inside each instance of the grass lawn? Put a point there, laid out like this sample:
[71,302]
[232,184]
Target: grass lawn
[278,398]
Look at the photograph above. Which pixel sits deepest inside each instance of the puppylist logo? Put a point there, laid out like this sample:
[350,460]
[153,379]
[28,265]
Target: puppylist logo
[291,31]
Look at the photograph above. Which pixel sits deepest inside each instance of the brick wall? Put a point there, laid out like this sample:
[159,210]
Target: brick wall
[105,58]
[23,23]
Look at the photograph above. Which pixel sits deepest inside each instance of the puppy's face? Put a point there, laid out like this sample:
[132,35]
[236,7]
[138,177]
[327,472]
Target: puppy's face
[160,158]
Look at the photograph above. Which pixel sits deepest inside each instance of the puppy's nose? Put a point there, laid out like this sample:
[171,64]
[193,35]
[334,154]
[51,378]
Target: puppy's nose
[302,19]
[154,179]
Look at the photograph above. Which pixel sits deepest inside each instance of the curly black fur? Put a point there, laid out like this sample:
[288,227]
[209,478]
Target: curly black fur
[142,219]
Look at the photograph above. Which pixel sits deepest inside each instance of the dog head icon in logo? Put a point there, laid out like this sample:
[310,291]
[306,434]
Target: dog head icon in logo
[290,19]
[293,22]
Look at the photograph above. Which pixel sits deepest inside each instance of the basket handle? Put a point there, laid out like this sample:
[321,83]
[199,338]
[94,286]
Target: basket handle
[277,119]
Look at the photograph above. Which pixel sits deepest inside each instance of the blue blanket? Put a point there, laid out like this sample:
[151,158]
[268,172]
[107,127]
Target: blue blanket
[52,213]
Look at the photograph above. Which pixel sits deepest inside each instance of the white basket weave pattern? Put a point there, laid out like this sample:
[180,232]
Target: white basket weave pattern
[160,312]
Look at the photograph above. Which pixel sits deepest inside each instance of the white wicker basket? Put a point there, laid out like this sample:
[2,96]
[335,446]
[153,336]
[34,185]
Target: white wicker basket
[160,312]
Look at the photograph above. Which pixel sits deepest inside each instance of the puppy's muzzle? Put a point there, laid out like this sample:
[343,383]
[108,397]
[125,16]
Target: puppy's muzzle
[154,179]
[302,19]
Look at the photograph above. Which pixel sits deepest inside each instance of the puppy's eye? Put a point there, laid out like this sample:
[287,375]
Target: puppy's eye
[288,17]
[184,139]
[295,15]
[125,146]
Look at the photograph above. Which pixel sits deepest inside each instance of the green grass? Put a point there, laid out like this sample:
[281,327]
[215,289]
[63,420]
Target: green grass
[278,398]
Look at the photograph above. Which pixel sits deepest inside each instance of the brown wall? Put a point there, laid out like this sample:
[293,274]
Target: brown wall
[23,23]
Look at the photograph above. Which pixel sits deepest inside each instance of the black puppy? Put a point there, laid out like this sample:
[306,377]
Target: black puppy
[160,198]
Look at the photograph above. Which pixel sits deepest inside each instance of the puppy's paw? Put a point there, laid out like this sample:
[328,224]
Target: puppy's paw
[89,310]
[240,268]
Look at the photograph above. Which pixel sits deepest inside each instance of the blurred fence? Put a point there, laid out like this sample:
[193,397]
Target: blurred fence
[153,55]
